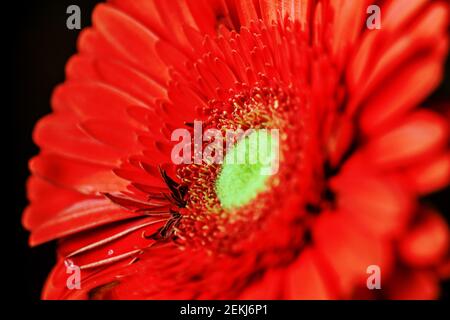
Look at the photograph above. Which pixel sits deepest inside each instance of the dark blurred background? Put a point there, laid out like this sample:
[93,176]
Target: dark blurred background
[40,46]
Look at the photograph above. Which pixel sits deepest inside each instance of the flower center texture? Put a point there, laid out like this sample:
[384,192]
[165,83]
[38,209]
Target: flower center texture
[228,204]
[246,169]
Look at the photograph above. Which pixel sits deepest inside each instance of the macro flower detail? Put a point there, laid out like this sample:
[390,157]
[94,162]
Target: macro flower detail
[357,152]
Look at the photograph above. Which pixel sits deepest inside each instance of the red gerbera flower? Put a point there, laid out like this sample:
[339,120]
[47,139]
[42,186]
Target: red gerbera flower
[356,154]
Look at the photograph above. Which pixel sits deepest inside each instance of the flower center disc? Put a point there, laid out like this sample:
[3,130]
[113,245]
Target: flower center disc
[247,168]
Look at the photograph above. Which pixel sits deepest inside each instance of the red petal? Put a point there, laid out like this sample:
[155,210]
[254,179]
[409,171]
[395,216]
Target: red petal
[306,280]
[413,285]
[81,176]
[430,176]
[80,216]
[379,204]
[130,80]
[427,243]
[43,207]
[59,133]
[92,44]
[246,11]
[123,137]
[81,67]
[349,250]
[414,139]
[269,10]
[146,12]
[95,100]
[403,91]
[349,16]
[396,51]
[268,288]
[134,41]
[99,246]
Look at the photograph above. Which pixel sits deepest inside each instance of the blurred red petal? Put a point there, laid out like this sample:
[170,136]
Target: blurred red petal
[430,176]
[414,139]
[270,287]
[413,285]
[427,243]
[386,63]
[378,204]
[349,250]
[305,280]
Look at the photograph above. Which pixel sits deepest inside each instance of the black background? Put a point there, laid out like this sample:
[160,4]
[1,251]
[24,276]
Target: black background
[40,45]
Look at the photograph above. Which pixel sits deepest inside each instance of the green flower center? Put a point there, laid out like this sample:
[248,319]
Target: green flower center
[247,168]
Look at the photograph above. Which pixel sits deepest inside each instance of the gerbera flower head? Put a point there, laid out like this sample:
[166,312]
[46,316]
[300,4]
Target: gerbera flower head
[354,154]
